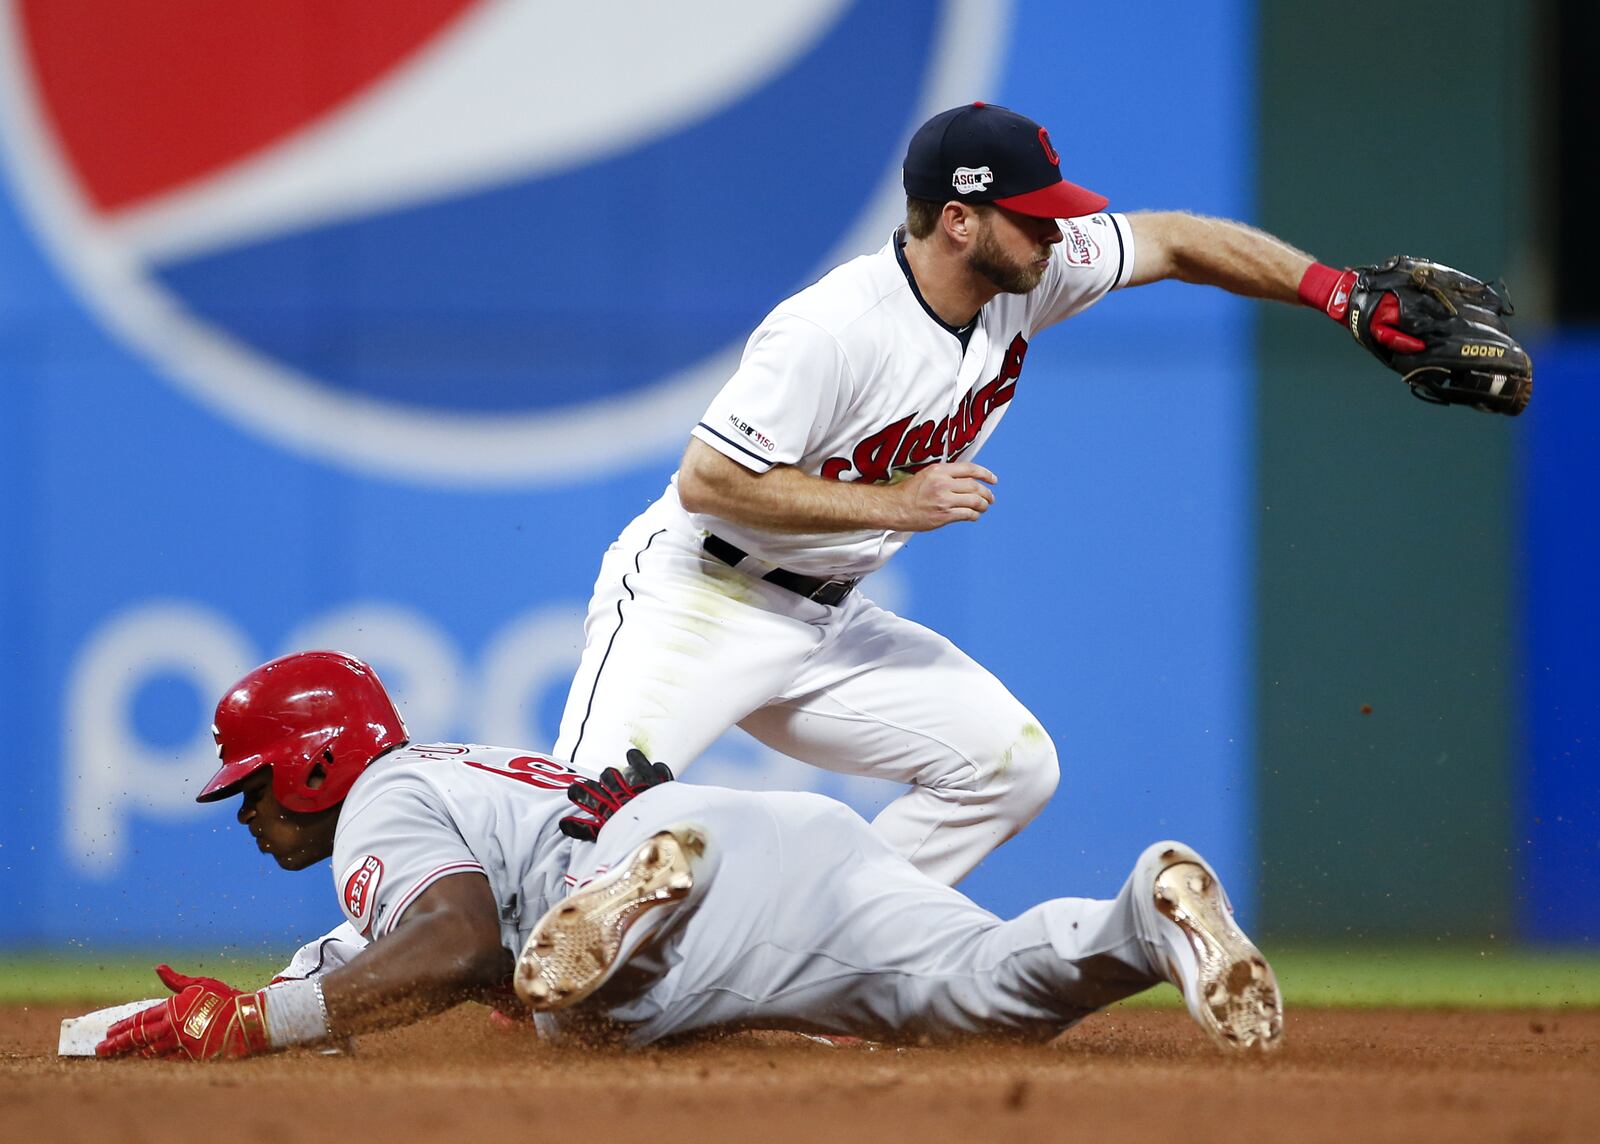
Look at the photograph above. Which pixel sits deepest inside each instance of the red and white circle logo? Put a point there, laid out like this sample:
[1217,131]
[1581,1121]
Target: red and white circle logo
[360,882]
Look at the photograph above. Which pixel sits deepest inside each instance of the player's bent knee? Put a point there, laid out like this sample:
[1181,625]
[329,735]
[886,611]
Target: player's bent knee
[1029,774]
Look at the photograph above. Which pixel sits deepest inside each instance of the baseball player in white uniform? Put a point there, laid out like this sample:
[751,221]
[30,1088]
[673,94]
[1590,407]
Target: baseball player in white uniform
[465,868]
[854,420]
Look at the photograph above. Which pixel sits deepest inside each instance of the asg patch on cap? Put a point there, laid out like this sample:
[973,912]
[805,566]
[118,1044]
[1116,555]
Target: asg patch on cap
[966,180]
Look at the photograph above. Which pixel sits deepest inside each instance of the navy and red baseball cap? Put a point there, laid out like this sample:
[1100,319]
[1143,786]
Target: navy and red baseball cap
[983,153]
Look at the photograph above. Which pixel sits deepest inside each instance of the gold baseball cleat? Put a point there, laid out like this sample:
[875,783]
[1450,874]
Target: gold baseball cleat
[579,943]
[1230,989]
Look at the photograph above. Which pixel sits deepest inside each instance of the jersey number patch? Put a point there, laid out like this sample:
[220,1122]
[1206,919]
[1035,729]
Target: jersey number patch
[545,774]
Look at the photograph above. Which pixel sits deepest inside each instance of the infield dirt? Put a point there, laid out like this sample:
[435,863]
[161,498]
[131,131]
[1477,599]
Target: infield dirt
[1137,1074]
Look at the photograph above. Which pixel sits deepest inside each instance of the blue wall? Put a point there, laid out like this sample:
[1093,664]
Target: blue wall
[168,522]
[1558,824]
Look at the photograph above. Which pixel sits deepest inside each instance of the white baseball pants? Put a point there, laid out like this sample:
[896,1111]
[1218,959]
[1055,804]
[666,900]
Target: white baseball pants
[679,647]
[802,918]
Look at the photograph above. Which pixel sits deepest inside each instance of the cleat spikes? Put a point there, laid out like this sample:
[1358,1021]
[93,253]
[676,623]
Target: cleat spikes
[576,947]
[1234,995]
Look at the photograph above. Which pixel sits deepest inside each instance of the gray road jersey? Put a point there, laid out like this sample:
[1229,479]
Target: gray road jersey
[428,811]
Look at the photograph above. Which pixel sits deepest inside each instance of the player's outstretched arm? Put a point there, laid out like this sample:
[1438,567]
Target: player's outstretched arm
[1215,252]
[446,949]
[786,500]
[1444,332]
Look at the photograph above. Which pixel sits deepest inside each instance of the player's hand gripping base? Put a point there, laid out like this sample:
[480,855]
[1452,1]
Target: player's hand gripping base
[205,1020]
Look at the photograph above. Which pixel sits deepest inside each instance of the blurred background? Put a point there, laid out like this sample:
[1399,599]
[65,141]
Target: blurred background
[369,324]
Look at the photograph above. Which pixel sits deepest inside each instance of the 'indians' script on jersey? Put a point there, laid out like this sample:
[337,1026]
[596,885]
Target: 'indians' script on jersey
[902,446]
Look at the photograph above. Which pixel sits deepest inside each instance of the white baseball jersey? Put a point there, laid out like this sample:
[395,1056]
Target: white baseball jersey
[857,379]
[425,812]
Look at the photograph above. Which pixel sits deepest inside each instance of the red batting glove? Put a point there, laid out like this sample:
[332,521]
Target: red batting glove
[206,1020]
[178,982]
[1326,289]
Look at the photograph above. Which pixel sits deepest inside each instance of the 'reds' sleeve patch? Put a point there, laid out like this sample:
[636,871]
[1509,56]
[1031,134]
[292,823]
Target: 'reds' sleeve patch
[359,887]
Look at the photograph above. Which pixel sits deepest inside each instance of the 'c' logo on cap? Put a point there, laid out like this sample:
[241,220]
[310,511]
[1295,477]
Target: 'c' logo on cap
[1049,151]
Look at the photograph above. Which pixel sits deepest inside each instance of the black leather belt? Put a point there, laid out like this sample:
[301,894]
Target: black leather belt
[822,591]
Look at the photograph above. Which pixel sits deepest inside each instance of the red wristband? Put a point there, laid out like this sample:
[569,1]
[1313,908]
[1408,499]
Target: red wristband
[1327,289]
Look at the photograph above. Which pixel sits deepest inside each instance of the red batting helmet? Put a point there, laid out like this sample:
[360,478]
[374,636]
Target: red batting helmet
[308,713]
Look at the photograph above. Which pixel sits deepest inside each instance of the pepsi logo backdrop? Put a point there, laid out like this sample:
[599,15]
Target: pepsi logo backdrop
[370,324]
[471,241]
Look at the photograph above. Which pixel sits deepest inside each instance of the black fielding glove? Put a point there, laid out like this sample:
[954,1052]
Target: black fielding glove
[1442,331]
[598,799]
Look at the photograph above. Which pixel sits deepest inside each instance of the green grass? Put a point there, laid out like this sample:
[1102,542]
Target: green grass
[1427,977]
[105,979]
[1411,977]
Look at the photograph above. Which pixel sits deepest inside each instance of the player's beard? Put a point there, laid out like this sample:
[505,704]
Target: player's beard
[990,261]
